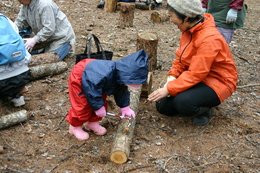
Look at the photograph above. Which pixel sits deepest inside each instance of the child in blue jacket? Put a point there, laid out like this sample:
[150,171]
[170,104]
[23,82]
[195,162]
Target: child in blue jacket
[92,80]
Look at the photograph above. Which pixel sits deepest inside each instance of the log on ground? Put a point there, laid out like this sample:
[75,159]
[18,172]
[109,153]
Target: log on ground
[120,149]
[143,6]
[44,58]
[45,70]
[13,119]
[160,16]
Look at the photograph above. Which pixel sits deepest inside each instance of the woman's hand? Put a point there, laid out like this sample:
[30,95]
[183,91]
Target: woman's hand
[158,94]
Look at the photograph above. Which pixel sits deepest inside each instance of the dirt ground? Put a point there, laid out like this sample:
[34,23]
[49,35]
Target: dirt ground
[230,143]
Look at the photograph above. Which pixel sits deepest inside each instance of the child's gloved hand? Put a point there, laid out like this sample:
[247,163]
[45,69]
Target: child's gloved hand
[101,112]
[231,16]
[29,44]
[127,111]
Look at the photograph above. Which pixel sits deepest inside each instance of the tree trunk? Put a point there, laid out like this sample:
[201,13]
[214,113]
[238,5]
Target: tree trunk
[126,17]
[13,118]
[45,70]
[44,58]
[161,16]
[148,42]
[120,149]
[110,6]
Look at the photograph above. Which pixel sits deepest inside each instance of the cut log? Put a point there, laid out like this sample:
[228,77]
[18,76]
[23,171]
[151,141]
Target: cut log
[143,6]
[160,16]
[146,89]
[41,45]
[110,6]
[148,42]
[126,17]
[13,118]
[120,149]
[45,70]
[44,58]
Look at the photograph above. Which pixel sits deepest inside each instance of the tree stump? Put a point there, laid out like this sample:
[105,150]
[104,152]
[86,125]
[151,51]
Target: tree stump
[146,89]
[126,17]
[44,58]
[120,149]
[160,16]
[110,6]
[13,118]
[45,70]
[148,42]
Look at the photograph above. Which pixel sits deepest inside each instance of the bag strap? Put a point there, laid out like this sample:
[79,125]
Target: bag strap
[97,44]
[99,47]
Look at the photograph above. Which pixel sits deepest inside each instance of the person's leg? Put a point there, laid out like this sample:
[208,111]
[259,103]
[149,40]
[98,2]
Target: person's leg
[227,33]
[63,51]
[197,101]
[80,111]
[13,88]
[165,106]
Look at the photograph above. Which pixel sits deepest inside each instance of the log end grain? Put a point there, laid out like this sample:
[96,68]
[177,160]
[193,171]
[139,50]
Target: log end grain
[118,157]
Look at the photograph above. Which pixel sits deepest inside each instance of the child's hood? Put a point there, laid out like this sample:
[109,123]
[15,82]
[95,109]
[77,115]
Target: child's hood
[132,69]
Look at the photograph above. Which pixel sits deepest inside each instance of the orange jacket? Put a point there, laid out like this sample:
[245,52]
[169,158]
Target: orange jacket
[203,56]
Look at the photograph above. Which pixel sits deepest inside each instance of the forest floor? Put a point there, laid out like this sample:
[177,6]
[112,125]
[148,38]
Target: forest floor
[230,143]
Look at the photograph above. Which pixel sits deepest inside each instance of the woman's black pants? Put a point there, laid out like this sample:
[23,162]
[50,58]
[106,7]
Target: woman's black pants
[189,102]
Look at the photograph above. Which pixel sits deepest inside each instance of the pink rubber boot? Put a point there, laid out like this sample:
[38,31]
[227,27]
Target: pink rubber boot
[96,128]
[78,133]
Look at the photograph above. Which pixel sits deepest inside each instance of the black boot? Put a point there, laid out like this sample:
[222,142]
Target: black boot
[101,4]
[203,116]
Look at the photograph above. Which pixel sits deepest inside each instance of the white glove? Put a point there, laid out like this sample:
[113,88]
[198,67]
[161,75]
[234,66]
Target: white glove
[204,10]
[169,78]
[29,44]
[231,16]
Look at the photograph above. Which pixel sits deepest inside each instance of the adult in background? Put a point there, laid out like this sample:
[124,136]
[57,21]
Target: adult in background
[204,74]
[49,25]
[13,76]
[229,15]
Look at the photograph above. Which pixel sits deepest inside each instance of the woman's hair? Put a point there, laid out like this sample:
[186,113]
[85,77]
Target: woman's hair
[182,16]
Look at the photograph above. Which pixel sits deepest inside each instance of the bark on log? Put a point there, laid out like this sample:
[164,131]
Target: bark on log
[41,45]
[146,89]
[148,42]
[126,17]
[143,6]
[45,70]
[13,118]
[120,149]
[110,6]
[44,58]
[160,16]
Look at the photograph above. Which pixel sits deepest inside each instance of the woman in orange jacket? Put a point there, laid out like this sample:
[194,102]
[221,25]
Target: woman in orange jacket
[204,73]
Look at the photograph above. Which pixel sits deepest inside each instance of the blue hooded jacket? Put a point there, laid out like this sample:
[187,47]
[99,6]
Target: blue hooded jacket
[109,77]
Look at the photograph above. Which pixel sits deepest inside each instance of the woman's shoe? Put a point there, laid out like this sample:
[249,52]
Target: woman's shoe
[78,133]
[96,128]
[203,119]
